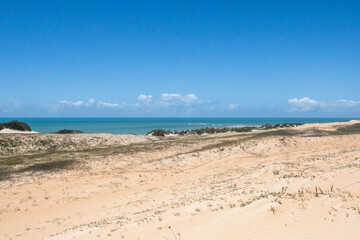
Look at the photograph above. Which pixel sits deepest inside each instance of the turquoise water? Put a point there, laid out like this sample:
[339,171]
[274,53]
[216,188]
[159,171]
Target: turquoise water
[144,125]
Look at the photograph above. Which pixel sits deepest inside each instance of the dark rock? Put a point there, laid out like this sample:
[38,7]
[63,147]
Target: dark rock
[16,125]
[68,131]
[1,127]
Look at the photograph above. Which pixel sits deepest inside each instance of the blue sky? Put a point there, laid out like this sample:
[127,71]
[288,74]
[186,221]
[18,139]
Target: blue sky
[180,58]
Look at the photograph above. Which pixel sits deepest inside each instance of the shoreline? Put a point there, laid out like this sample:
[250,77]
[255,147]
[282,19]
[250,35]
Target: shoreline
[141,126]
[198,131]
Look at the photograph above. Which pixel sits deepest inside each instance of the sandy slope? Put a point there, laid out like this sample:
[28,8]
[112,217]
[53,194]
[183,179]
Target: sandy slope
[23,143]
[7,130]
[269,188]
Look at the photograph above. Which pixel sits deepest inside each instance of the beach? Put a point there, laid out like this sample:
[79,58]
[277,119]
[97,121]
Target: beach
[142,125]
[292,183]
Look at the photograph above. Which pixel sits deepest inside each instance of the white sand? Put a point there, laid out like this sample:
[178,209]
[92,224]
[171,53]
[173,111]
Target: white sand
[7,130]
[276,188]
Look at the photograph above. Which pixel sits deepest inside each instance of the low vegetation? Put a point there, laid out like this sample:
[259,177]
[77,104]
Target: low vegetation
[158,132]
[351,129]
[16,125]
[50,166]
[344,130]
[64,154]
[68,131]
[202,131]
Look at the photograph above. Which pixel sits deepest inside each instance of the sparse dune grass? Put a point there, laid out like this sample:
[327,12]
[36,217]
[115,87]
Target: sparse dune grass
[49,166]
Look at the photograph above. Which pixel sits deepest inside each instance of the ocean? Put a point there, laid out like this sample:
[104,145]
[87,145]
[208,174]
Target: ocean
[144,125]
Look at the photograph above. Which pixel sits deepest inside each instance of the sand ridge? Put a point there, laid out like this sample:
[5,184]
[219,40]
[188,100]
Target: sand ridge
[7,130]
[274,187]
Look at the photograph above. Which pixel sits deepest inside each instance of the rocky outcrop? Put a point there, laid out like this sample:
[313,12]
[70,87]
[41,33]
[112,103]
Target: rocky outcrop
[16,125]
[68,131]
[1,127]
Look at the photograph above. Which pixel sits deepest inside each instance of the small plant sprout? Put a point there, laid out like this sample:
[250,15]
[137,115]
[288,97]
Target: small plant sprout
[272,209]
[177,237]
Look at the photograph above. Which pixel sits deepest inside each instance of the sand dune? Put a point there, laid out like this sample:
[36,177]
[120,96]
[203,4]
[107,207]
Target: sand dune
[223,186]
[7,130]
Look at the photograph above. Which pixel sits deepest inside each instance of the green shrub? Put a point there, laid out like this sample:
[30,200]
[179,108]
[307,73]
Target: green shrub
[68,131]
[159,132]
[16,125]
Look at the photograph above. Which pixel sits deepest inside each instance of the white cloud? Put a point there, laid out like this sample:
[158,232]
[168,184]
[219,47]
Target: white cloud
[110,105]
[145,98]
[145,103]
[166,103]
[170,96]
[232,106]
[168,100]
[91,101]
[347,103]
[304,100]
[303,104]
[306,104]
[178,99]
[190,98]
[70,103]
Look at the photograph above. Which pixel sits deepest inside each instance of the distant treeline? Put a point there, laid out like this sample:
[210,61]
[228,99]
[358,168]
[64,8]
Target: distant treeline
[162,132]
